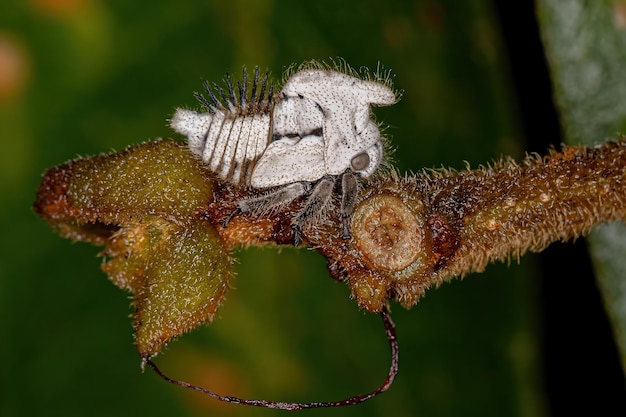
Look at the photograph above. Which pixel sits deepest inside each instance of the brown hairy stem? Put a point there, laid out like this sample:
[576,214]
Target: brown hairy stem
[408,233]
[415,232]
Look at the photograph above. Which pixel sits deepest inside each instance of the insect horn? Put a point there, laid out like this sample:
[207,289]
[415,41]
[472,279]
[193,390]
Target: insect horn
[254,84]
[270,94]
[243,86]
[232,102]
[263,86]
[223,95]
[201,99]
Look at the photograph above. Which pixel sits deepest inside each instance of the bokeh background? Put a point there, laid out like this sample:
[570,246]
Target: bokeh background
[81,77]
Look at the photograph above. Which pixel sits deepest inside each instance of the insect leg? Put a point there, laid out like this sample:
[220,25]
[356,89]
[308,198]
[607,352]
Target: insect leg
[230,216]
[349,191]
[315,205]
[269,202]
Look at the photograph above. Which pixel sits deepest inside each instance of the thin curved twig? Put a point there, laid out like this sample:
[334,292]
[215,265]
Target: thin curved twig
[357,399]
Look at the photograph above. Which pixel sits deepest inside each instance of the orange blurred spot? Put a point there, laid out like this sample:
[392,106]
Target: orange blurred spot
[397,31]
[59,7]
[619,14]
[14,67]
[215,374]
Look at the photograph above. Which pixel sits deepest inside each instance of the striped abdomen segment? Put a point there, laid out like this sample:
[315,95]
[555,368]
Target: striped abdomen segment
[234,132]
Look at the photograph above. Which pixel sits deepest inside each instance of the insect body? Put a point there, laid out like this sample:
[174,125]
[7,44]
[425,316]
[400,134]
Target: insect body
[298,142]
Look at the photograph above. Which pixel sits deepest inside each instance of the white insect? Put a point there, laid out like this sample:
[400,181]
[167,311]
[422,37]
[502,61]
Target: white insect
[316,130]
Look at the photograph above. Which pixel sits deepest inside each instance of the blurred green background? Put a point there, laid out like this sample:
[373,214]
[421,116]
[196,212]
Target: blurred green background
[81,77]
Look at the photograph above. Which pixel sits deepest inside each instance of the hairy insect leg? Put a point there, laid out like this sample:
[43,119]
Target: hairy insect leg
[349,192]
[230,216]
[314,207]
[357,399]
[267,203]
[273,200]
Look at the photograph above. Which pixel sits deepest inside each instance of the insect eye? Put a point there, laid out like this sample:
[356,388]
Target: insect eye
[360,162]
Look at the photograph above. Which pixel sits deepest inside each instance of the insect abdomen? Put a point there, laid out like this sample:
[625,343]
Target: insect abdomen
[234,132]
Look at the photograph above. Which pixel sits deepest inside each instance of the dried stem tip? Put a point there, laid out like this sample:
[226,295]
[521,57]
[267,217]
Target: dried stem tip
[387,233]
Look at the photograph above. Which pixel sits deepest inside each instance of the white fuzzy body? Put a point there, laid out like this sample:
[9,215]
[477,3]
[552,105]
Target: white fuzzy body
[317,124]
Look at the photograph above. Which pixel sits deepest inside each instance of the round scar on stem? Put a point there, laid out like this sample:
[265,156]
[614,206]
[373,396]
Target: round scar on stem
[387,233]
